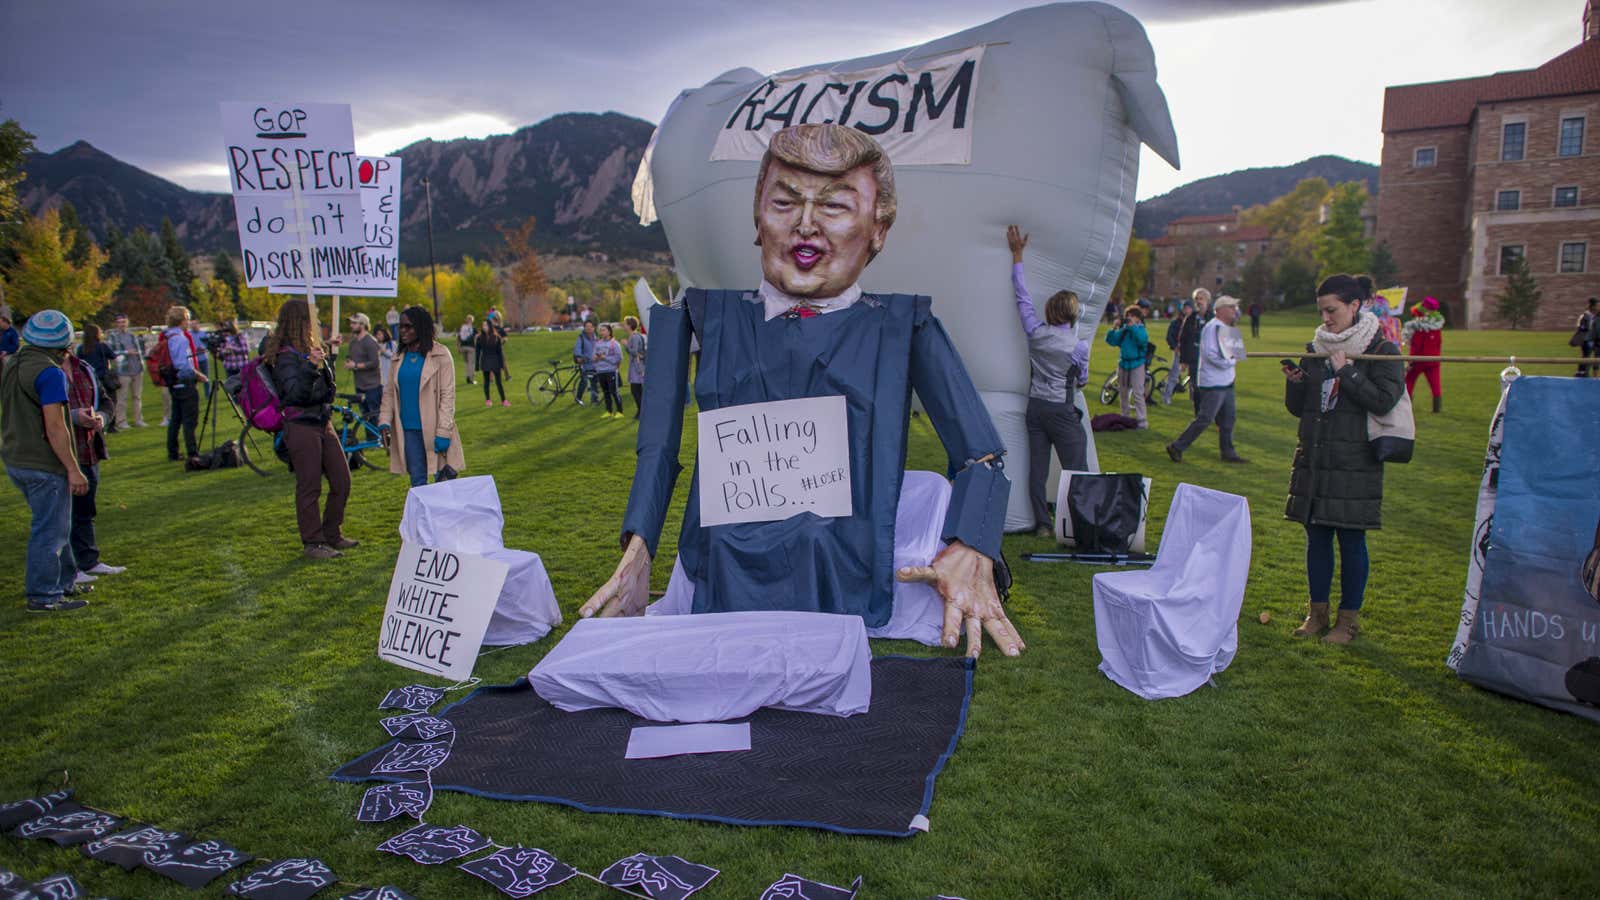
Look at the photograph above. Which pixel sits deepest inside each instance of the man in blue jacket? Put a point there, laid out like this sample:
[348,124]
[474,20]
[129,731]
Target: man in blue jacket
[824,204]
[583,351]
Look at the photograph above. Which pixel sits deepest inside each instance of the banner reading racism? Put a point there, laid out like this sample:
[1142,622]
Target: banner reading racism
[292,168]
[920,110]
[1534,632]
[379,180]
[439,605]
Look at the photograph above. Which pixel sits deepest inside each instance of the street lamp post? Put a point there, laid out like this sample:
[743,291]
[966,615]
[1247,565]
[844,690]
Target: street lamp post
[433,274]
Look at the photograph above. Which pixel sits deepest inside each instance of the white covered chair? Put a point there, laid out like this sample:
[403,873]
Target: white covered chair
[1164,631]
[918,613]
[464,515]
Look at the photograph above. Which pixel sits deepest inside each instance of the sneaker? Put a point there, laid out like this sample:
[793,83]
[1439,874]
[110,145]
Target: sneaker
[163,423]
[82,578]
[488,403]
[1234,459]
[76,589]
[345,543]
[60,604]
[321,551]
[101,568]
[506,403]
[1175,453]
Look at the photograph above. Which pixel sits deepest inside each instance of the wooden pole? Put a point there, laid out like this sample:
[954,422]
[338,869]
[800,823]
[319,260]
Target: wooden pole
[1496,360]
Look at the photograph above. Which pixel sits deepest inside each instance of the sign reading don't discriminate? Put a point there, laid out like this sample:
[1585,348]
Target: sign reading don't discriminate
[294,175]
[439,606]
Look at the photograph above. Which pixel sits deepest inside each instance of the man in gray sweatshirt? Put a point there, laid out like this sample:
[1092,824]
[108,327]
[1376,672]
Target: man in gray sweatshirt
[363,361]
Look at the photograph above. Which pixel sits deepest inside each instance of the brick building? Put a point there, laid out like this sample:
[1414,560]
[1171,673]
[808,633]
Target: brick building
[1203,251]
[1480,170]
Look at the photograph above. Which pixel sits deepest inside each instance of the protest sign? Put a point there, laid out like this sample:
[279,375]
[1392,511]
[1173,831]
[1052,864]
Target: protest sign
[762,462]
[921,111]
[379,180]
[292,168]
[439,606]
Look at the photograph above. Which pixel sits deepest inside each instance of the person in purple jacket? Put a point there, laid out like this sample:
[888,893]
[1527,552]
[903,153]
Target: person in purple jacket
[1059,363]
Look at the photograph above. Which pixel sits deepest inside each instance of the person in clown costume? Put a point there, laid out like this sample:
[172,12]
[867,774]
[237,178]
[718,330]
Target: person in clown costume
[1423,335]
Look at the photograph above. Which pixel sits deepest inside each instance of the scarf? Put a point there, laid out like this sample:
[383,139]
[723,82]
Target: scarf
[1352,340]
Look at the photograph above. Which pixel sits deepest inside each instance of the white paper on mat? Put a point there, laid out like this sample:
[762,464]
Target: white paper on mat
[654,741]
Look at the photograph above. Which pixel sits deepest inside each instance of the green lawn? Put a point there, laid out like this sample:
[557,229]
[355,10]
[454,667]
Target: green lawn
[216,685]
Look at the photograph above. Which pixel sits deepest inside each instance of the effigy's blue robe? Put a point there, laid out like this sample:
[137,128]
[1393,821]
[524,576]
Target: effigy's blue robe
[873,353]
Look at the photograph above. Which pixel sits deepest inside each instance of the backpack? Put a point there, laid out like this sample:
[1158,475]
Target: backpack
[159,364]
[257,395]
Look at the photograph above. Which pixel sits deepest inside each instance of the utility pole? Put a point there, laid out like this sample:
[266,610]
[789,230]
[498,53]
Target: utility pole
[433,274]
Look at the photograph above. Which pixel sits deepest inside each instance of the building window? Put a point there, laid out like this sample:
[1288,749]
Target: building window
[1567,196]
[1508,200]
[1571,137]
[1424,157]
[1573,257]
[1509,254]
[1513,138]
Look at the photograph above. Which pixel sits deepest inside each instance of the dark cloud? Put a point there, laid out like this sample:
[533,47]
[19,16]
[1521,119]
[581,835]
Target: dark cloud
[143,81]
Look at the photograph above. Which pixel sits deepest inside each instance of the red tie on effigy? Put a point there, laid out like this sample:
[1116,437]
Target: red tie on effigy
[801,311]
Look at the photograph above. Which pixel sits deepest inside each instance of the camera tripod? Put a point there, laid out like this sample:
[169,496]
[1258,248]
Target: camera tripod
[208,417]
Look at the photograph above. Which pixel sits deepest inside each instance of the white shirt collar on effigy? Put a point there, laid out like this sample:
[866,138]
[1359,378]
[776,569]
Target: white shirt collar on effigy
[778,303]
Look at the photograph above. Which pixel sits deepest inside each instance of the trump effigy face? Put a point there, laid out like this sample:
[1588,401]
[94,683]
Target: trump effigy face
[817,232]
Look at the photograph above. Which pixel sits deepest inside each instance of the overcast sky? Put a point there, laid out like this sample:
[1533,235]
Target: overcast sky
[1250,82]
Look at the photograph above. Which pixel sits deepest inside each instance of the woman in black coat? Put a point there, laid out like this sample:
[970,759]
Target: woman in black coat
[1336,487]
[491,344]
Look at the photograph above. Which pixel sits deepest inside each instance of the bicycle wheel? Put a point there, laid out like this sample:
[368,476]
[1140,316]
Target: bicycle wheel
[1155,376]
[543,388]
[1108,391]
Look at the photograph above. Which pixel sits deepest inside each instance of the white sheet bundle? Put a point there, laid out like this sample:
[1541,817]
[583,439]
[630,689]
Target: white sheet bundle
[712,667]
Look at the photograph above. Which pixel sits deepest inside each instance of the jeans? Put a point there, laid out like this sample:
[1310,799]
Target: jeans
[1052,424]
[185,414]
[417,454]
[371,401]
[1130,383]
[1216,405]
[1174,375]
[85,549]
[51,567]
[1352,563]
[587,380]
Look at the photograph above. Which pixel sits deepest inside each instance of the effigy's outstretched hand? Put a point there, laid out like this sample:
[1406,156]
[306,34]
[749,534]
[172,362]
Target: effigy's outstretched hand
[628,589]
[965,579]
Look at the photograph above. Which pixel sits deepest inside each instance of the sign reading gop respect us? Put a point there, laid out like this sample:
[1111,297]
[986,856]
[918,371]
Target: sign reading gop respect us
[293,171]
[763,462]
[921,111]
[439,606]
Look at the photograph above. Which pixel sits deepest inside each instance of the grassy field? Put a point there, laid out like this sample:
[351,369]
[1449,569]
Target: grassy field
[216,684]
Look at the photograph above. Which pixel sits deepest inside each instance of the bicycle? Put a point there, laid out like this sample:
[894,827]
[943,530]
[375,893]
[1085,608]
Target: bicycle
[358,434]
[545,386]
[1153,375]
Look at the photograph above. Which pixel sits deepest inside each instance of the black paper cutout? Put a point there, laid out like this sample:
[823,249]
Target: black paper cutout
[422,757]
[18,811]
[387,801]
[434,844]
[14,886]
[387,892]
[55,887]
[520,871]
[69,825]
[412,698]
[418,725]
[660,877]
[793,887]
[196,865]
[290,879]
[128,848]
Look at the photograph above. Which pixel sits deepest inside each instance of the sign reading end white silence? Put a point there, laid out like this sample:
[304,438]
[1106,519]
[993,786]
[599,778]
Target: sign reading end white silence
[439,606]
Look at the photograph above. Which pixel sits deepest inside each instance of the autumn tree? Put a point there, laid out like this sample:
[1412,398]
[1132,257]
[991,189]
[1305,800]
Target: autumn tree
[1135,271]
[524,272]
[74,236]
[1294,220]
[15,144]
[472,293]
[43,277]
[1342,244]
[172,249]
[223,270]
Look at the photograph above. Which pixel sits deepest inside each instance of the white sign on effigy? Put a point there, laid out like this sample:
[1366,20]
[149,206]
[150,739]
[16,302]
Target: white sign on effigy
[439,606]
[921,111]
[379,181]
[292,168]
[764,462]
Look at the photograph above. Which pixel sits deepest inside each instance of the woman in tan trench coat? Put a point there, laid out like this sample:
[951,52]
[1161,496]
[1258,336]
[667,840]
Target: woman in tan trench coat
[419,402]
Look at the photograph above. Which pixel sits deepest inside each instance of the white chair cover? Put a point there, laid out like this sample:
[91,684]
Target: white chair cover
[527,608]
[918,613]
[711,667]
[1163,632]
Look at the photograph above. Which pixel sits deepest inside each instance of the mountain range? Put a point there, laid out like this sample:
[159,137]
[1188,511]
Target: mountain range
[574,172]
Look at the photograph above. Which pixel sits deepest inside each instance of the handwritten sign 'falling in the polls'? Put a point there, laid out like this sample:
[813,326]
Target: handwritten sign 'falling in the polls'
[294,174]
[763,462]
[439,606]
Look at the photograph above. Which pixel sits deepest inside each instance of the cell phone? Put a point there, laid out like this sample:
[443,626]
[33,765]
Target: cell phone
[1288,364]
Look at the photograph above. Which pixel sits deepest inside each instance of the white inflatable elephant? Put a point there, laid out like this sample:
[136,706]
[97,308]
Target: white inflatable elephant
[1035,118]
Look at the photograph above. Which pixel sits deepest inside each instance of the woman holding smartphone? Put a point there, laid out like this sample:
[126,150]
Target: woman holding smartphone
[420,397]
[1336,485]
[306,388]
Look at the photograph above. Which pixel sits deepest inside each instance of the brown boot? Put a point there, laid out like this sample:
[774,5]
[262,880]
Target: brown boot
[1316,621]
[1437,402]
[1344,630]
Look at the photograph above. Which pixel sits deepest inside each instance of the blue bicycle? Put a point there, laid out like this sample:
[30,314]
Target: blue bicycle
[357,435]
